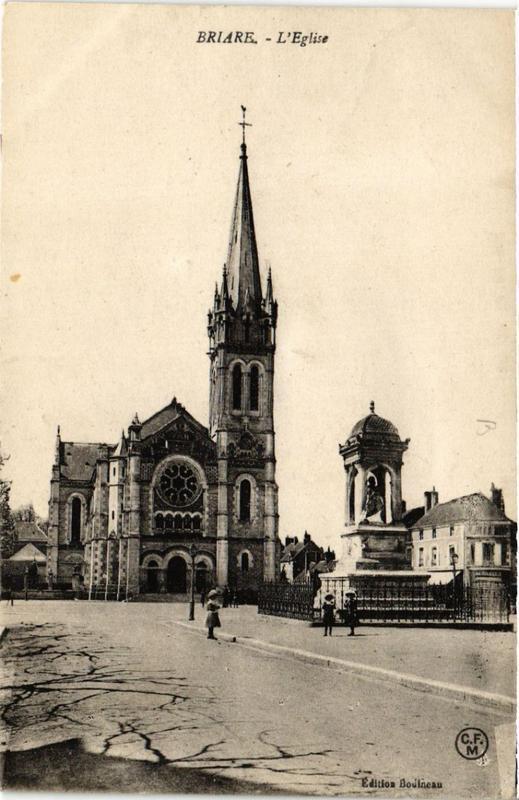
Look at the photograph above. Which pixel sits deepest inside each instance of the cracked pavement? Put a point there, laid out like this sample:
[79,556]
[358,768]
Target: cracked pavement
[129,685]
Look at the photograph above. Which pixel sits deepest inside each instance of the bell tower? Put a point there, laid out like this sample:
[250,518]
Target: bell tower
[241,329]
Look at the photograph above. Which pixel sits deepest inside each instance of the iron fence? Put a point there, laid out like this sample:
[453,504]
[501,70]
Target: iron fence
[295,600]
[390,602]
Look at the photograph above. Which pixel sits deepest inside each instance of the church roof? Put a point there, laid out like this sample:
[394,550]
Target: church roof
[78,459]
[242,257]
[166,416]
[469,508]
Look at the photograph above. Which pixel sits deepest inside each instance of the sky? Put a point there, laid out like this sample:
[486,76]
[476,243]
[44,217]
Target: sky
[382,176]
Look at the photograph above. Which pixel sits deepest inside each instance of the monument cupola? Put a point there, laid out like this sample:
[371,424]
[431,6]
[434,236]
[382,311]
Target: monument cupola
[372,456]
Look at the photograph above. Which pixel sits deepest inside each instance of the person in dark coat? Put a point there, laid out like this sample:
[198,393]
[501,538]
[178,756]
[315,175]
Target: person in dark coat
[212,619]
[8,590]
[225,597]
[202,598]
[328,613]
[351,617]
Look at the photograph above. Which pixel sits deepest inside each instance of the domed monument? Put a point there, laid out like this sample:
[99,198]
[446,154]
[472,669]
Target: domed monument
[375,538]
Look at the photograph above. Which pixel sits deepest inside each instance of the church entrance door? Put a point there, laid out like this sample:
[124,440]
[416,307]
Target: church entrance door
[153,577]
[177,576]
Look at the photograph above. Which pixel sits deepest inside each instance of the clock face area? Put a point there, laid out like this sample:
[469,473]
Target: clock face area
[178,484]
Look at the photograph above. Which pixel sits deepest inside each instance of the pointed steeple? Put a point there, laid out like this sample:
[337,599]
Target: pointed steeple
[121,450]
[242,257]
[225,297]
[269,297]
[57,451]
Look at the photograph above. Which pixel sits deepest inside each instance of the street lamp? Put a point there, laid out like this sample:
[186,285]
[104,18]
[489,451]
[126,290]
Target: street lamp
[192,552]
[454,561]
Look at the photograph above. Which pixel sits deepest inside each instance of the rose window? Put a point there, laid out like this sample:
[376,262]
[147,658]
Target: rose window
[178,484]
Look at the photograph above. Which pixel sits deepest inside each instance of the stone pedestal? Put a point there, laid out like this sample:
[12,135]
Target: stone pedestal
[372,546]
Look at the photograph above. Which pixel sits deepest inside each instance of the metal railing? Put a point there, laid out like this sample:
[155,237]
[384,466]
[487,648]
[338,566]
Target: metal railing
[390,602]
[295,600]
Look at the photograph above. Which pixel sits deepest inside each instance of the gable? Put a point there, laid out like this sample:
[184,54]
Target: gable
[174,429]
[28,553]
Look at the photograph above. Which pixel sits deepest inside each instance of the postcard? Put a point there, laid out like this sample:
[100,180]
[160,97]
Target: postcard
[257,488]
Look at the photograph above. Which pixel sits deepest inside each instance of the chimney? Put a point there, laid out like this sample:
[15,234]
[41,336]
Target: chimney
[496,495]
[306,537]
[430,499]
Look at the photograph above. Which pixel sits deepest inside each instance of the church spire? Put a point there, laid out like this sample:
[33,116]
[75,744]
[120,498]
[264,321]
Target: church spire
[242,258]
[57,449]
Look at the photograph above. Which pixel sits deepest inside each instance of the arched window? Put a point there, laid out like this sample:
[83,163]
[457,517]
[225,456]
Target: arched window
[244,562]
[187,523]
[75,521]
[254,388]
[236,387]
[168,524]
[245,493]
[178,522]
[159,521]
[196,523]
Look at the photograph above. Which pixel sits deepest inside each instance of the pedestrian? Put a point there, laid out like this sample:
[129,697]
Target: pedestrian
[328,613]
[8,590]
[351,617]
[212,620]
[234,602]
[225,596]
[50,580]
[202,598]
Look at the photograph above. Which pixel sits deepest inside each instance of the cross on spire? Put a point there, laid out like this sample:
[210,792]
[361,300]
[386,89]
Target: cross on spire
[244,124]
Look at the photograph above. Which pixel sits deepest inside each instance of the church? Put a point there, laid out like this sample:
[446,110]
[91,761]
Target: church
[136,517]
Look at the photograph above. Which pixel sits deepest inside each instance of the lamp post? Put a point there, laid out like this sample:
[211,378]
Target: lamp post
[454,561]
[192,553]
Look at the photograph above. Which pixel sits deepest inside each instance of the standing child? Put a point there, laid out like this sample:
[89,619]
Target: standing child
[212,620]
[351,617]
[328,613]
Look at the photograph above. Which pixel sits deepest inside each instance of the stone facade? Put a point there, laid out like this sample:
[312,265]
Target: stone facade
[474,532]
[125,517]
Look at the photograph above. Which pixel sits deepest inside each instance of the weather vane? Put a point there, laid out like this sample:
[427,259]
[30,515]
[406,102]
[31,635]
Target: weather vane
[243,123]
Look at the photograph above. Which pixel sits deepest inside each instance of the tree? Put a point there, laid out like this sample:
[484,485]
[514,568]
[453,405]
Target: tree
[7,529]
[24,513]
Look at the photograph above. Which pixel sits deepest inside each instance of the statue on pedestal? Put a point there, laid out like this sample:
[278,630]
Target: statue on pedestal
[373,503]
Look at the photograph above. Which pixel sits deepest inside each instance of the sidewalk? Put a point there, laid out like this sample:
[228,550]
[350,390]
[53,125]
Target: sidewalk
[481,660]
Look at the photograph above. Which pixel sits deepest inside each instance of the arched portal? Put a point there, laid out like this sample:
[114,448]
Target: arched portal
[201,577]
[177,576]
[152,577]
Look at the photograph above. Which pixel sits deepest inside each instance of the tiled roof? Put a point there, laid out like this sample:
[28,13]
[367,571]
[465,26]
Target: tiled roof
[291,551]
[29,532]
[469,508]
[78,459]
